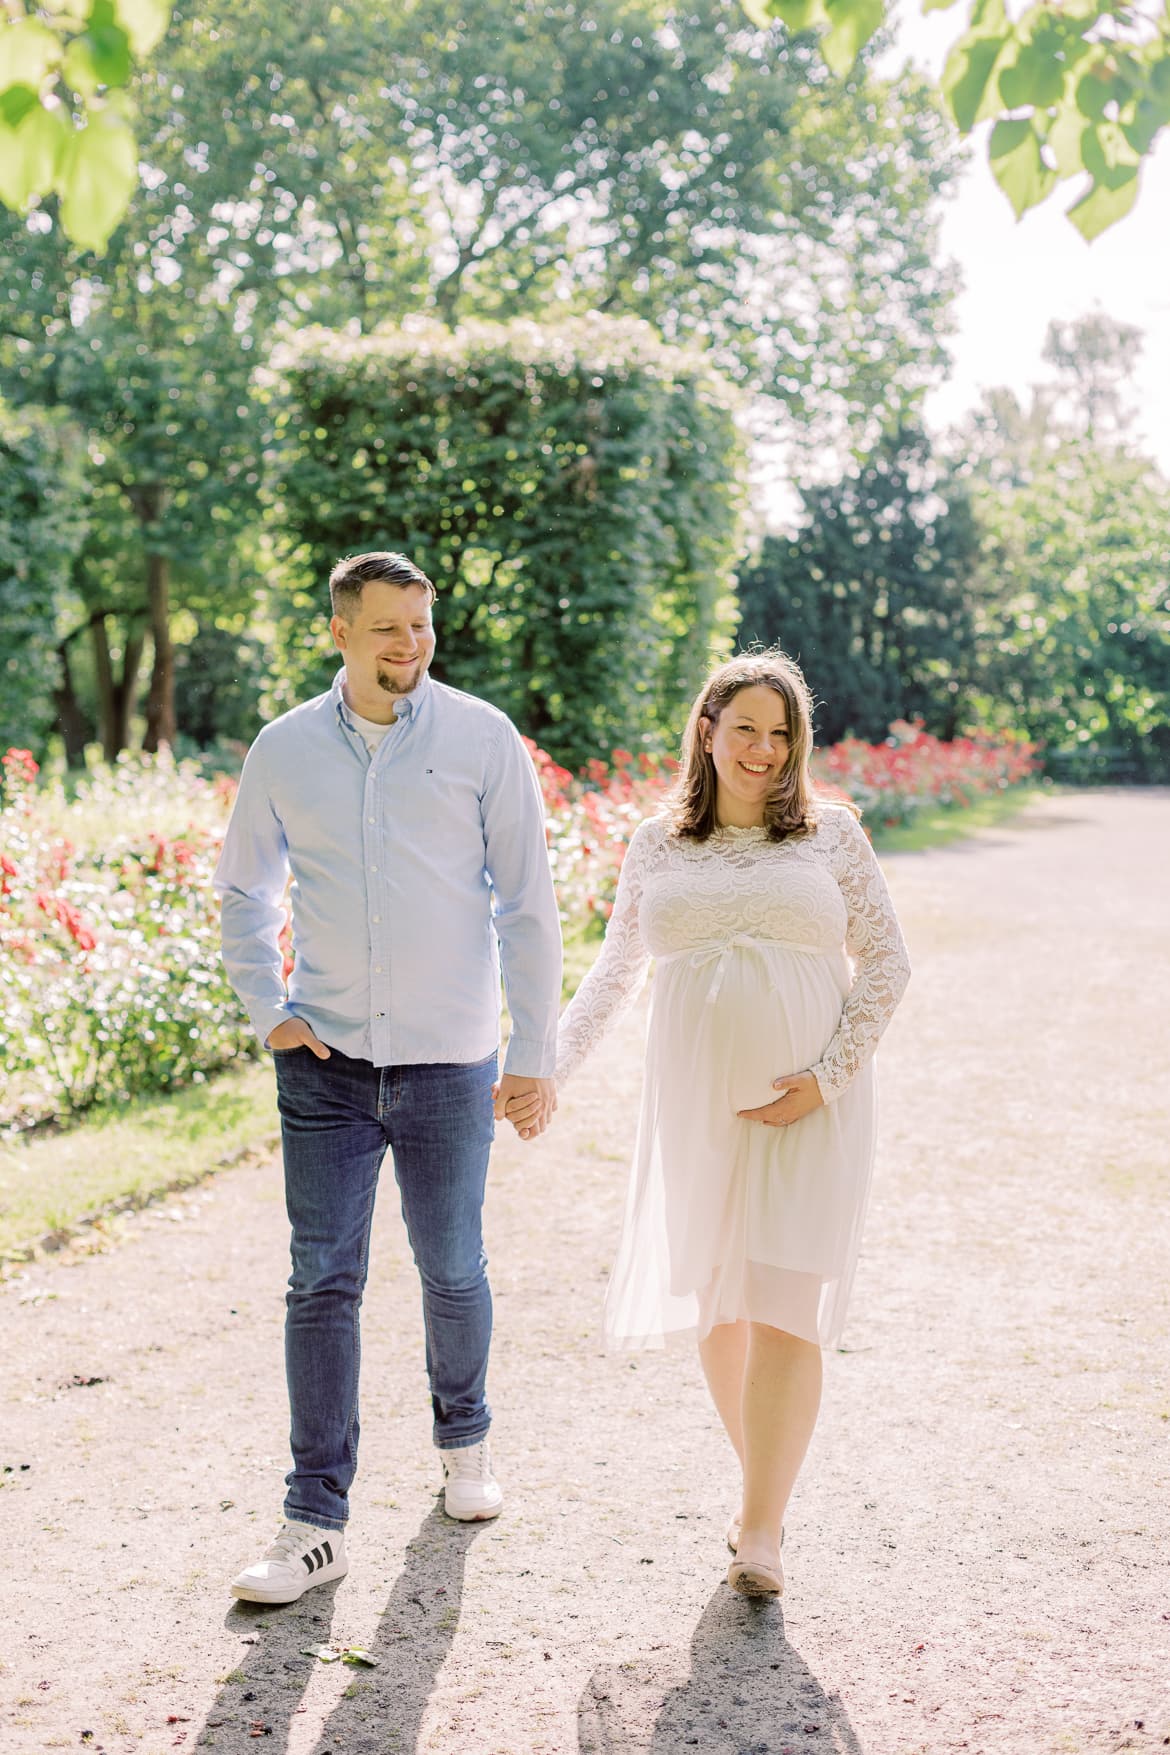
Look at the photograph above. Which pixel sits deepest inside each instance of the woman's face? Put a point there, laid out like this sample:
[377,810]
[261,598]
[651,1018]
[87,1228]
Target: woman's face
[748,744]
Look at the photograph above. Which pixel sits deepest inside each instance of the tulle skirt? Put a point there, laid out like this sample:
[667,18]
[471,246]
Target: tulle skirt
[727,1219]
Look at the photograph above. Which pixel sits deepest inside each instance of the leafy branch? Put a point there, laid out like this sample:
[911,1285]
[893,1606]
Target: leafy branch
[65,115]
[1080,88]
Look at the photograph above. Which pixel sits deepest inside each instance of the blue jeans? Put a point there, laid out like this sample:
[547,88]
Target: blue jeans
[337,1118]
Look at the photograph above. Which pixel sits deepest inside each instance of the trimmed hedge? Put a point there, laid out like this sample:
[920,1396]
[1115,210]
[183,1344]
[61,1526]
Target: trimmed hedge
[575,493]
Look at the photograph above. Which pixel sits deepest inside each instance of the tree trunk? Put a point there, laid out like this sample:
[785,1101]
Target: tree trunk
[160,702]
[72,723]
[116,696]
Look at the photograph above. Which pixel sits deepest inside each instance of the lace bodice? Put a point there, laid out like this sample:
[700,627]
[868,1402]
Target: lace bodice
[817,894]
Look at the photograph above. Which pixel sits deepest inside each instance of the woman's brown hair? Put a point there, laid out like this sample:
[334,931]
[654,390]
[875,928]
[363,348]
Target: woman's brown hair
[789,809]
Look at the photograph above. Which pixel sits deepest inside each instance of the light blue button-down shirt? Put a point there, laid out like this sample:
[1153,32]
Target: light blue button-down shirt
[413,870]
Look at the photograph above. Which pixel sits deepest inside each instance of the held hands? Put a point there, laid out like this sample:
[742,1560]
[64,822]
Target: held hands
[527,1103]
[797,1095]
[295,1033]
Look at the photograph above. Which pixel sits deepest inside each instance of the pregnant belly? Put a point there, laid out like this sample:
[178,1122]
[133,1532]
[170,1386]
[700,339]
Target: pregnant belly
[774,1011]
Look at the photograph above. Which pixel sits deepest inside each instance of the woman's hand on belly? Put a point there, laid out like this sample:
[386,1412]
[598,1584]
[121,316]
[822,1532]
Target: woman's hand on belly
[797,1095]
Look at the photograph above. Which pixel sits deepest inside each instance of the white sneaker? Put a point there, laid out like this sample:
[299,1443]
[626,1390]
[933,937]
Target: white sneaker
[300,1557]
[470,1490]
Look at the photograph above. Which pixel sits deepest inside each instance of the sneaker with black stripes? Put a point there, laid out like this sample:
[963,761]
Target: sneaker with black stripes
[300,1557]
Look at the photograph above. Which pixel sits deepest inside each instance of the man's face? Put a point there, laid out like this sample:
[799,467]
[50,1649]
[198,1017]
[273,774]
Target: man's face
[389,644]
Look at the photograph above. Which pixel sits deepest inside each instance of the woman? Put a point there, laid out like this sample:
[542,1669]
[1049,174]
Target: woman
[755,1142]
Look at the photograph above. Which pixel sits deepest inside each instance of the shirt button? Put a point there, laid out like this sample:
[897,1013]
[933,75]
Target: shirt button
[373,868]
[370,819]
[377,919]
[377,969]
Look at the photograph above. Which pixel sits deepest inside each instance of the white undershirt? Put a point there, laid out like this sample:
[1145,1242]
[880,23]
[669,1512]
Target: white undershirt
[370,731]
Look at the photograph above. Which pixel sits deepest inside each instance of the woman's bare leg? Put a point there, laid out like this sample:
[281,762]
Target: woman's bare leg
[723,1352]
[781,1400]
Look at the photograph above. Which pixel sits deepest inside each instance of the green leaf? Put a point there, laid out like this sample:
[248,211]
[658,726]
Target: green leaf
[27,51]
[759,12]
[937,5]
[851,24]
[1150,117]
[1065,141]
[1034,77]
[97,176]
[1021,173]
[75,9]
[78,67]
[15,104]
[965,76]
[357,1654]
[111,54]
[991,104]
[1104,206]
[144,21]
[988,19]
[30,155]
[798,15]
[1107,154]
[1093,93]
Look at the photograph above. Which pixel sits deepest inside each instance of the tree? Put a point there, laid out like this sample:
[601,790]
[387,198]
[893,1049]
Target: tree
[673,164]
[65,116]
[1095,358]
[1074,600]
[1078,89]
[572,491]
[43,515]
[1075,632]
[873,594]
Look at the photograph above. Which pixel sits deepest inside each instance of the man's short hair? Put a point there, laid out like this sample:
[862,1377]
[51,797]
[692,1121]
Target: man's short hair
[351,574]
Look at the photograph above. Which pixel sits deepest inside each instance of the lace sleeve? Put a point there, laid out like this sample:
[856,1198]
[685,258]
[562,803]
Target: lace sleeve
[881,966]
[616,978]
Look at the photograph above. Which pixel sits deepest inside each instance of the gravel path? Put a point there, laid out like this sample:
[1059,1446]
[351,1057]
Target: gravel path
[977,1552]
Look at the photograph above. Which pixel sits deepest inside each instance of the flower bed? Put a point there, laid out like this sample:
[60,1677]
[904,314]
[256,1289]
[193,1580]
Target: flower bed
[110,979]
[111,983]
[894,781]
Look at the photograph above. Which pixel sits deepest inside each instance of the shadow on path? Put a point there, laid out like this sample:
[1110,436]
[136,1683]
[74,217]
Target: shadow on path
[381,1709]
[749,1693]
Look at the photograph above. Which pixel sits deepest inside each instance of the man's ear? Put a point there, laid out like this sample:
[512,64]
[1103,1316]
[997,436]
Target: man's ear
[340,631]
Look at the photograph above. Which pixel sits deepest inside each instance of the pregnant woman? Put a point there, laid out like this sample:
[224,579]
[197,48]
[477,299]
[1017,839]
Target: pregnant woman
[778,965]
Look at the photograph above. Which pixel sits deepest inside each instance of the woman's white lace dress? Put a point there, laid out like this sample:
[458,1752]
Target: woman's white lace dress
[725,1218]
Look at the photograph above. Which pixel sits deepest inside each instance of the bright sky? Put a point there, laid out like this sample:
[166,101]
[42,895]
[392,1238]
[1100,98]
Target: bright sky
[1018,276]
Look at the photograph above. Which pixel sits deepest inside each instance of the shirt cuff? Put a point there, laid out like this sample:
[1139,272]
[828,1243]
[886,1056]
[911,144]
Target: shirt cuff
[265,1018]
[529,1058]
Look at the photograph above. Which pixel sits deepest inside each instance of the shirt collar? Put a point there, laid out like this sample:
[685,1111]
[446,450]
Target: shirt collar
[406,708]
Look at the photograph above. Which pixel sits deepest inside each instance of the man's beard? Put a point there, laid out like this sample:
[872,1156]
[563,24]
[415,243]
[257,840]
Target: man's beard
[396,685]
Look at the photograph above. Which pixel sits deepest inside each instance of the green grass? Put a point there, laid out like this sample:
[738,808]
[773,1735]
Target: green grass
[52,1182]
[936,828]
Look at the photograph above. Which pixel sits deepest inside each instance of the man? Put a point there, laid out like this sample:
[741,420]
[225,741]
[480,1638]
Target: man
[410,816]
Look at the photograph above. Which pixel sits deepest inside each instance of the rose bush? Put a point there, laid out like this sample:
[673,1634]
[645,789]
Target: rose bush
[111,982]
[893,781]
[110,978]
